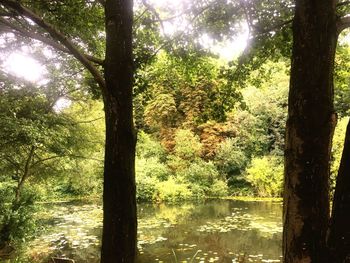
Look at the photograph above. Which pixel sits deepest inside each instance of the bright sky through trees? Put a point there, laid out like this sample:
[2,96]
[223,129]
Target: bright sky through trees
[24,66]
[227,50]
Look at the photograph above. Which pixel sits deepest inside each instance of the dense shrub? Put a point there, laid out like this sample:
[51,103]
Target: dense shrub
[16,217]
[239,186]
[146,188]
[230,158]
[201,173]
[218,189]
[187,145]
[266,175]
[172,191]
[147,147]
[149,172]
[152,167]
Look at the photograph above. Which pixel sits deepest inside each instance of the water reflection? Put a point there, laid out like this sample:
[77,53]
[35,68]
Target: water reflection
[211,231]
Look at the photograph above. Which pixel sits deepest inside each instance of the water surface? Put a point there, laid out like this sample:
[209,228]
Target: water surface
[210,231]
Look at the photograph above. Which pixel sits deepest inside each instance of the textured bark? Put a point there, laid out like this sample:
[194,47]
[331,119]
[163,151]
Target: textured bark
[119,195]
[339,236]
[26,172]
[310,126]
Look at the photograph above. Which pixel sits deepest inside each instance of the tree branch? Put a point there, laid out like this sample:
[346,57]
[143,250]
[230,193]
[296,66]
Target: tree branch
[343,3]
[65,155]
[6,14]
[26,173]
[155,13]
[45,40]
[343,23]
[274,27]
[47,159]
[247,16]
[57,35]
[102,2]
[13,163]
[180,34]
[89,121]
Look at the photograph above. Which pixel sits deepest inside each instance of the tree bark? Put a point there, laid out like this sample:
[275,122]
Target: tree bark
[26,172]
[119,193]
[310,126]
[339,232]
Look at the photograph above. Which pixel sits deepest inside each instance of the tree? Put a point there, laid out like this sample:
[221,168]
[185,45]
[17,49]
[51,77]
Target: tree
[42,23]
[119,194]
[310,126]
[38,143]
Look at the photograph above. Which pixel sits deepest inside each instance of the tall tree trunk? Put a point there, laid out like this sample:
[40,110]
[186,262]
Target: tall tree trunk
[339,235]
[310,126]
[26,172]
[119,194]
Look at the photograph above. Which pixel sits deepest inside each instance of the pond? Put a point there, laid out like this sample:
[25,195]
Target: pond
[209,231]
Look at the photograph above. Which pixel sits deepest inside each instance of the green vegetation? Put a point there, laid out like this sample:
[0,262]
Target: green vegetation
[192,143]
[205,127]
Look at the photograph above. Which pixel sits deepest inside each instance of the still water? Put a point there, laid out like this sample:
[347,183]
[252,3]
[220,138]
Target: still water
[210,231]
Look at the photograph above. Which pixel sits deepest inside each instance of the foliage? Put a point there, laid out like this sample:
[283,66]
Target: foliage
[187,145]
[266,175]
[213,133]
[16,217]
[183,92]
[161,112]
[152,167]
[172,191]
[84,168]
[341,80]
[204,154]
[146,187]
[230,158]
[40,145]
[218,188]
[337,149]
[182,175]
[270,112]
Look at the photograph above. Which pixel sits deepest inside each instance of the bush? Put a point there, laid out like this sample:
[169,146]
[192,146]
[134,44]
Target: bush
[201,173]
[230,158]
[147,147]
[16,218]
[266,175]
[203,179]
[187,145]
[172,191]
[183,176]
[197,191]
[238,186]
[146,188]
[149,172]
[219,188]
[151,167]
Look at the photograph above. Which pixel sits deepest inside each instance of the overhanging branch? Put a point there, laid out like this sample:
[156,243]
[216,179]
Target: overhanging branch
[155,13]
[343,23]
[33,35]
[60,37]
[102,2]
[343,3]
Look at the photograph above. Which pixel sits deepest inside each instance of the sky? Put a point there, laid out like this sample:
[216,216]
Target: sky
[21,64]
[24,66]
[227,50]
